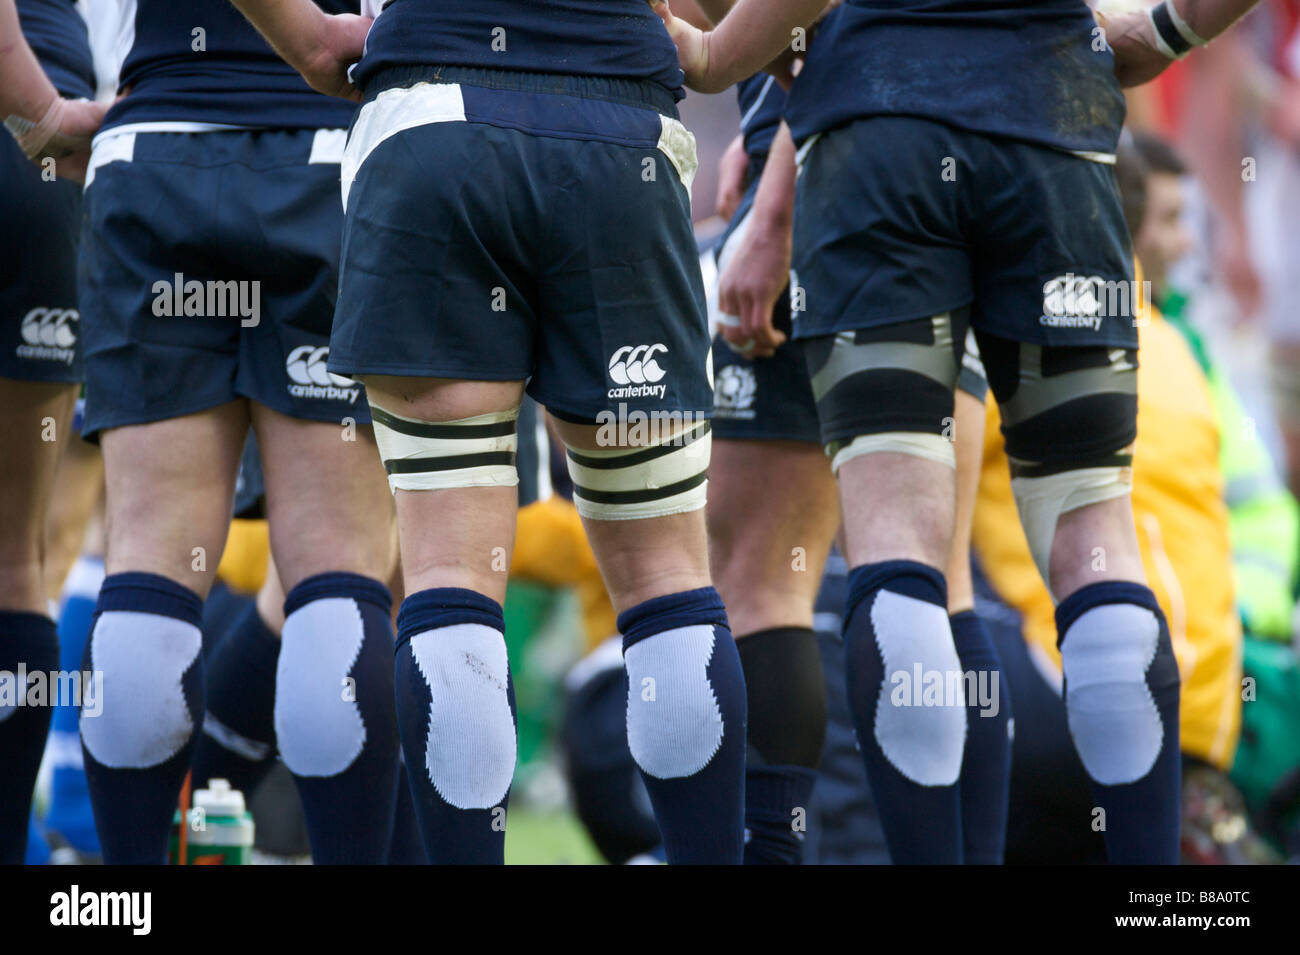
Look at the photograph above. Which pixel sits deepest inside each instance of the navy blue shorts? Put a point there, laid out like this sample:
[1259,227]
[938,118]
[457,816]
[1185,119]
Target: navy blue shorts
[770,399]
[760,399]
[899,218]
[209,272]
[507,226]
[40,329]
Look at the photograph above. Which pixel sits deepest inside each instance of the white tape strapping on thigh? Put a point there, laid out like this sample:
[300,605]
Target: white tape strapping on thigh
[634,483]
[932,447]
[432,456]
[1042,500]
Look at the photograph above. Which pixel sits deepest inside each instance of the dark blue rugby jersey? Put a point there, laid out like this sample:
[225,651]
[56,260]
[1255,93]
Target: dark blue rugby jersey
[615,38]
[1025,71]
[761,102]
[57,35]
[236,79]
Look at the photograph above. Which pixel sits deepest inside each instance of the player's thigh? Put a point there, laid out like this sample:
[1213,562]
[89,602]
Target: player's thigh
[1069,423]
[77,492]
[33,430]
[642,507]
[448,447]
[327,497]
[772,515]
[170,484]
[885,402]
[773,508]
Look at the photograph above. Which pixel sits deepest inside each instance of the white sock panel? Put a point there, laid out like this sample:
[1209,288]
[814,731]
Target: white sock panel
[142,719]
[674,725]
[923,738]
[1112,715]
[318,724]
[470,750]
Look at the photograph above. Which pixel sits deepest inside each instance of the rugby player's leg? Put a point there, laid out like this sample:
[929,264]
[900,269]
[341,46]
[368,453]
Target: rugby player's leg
[1122,685]
[75,530]
[772,515]
[1060,349]
[76,499]
[886,267]
[334,543]
[986,764]
[169,487]
[1069,420]
[643,508]
[35,427]
[895,468]
[448,447]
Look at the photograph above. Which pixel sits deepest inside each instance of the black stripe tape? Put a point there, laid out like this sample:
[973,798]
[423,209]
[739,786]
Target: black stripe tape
[425,429]
[450,463]
[639,457]
[1168,32]
[639,497]
[1047,470]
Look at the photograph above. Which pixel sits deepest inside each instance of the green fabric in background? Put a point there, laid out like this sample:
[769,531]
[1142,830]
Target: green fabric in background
[526,610]
[1270,723]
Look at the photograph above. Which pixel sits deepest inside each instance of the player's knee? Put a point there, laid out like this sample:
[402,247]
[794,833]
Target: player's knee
[667,477]
[675,722]
[1119,671]
[149,701]
[435,455]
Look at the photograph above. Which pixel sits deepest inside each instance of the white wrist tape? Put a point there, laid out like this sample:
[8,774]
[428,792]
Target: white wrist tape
[1174,38]
[34,137]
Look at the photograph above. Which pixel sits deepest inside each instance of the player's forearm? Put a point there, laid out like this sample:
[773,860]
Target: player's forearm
[1215,144]
[715,10]
[774,200]
[752,35]
[290,26]
[25,91]
[1208,18]
[1146,41]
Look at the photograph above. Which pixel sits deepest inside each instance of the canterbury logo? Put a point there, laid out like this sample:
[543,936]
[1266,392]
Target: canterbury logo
[1074,295]
[306,368]
[51,327]
[635,364]
[306,365]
